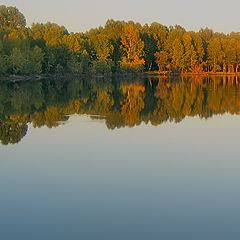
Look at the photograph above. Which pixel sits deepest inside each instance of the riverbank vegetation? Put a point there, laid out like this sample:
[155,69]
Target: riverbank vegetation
[118,47]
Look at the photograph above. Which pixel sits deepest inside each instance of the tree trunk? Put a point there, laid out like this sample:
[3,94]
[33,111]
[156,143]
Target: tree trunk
[150,67]
[224,68]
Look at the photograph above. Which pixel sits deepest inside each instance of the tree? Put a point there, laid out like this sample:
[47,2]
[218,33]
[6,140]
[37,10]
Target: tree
[215,54]
[74,42]
[56,57]
[51,33]
[26,61]
[36,59]
[162,60]
[189,59]
[177,52]
[132,47]
[11,19]
[74,65]
[101,66]
[119,46]
[3,60]
[199,50]
[103,47]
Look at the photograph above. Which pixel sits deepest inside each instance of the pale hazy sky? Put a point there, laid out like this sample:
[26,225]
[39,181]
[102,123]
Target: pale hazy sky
[80,15]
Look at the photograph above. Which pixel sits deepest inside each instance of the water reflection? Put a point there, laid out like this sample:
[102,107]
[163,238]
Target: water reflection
[120,103]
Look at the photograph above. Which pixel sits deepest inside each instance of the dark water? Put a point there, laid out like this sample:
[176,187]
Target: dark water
[120,159]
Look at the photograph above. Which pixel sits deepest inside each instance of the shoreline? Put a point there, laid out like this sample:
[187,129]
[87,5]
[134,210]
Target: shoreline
[23,78]
[186,74]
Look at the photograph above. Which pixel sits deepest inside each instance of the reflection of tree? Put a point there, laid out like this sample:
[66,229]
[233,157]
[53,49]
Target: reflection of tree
[120,103]
[51,117]
[101,100]
[103,103]
[11,133]
[132,103]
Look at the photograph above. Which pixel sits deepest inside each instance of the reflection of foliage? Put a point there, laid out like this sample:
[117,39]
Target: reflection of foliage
[11,133]
[120,103]
[53,116]
[132,103]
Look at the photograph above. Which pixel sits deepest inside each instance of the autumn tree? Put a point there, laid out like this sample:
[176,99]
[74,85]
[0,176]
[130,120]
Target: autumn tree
[132,47]
[162,60]
[117,47]
[51,33]
[189,59]
[215,54]
[176,54]
[199,51]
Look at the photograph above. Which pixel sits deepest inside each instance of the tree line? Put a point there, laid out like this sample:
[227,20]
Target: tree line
[118,47]
[120,103]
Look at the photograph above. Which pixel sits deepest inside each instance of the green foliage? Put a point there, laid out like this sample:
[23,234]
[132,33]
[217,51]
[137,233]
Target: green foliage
[3,64]
[56,56]
[150,48]
[26,61]
[85,61]
[36,58]
[19,61]
[102,67]
[11,19]
[119,46]
[102,47]
[51,33]
[74,65]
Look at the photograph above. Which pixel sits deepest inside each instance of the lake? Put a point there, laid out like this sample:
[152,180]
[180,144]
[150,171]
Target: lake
[145,158]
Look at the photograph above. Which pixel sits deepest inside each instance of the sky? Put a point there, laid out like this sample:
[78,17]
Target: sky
[81,15]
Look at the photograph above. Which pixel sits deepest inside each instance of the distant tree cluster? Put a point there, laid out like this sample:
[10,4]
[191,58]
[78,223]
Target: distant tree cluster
[117,47]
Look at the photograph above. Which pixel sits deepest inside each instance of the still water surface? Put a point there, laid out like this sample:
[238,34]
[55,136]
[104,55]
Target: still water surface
[142,159]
